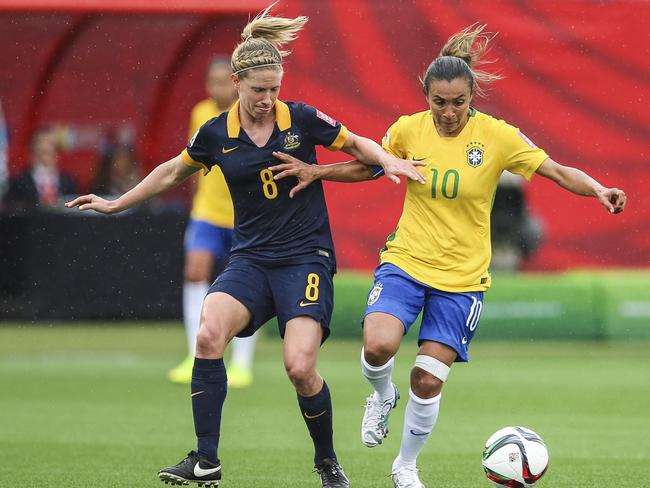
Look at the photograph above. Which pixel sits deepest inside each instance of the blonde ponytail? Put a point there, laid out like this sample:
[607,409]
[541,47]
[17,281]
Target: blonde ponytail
[262,39]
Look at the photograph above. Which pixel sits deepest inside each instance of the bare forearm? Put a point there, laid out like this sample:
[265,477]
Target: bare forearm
[162,178]
[348,172]
[366,151]
[581,183]
[578,182]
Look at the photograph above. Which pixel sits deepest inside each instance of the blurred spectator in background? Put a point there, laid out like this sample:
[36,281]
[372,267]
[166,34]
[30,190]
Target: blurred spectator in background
[43,184]
[516,233]
[118,170]
[4,154]
[208,237]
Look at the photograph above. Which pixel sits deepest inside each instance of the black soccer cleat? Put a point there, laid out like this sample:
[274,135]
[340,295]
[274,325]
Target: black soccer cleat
[193,469]
[331,474]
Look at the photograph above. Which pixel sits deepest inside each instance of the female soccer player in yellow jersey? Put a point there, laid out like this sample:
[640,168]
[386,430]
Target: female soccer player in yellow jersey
[436,262]
[282,260]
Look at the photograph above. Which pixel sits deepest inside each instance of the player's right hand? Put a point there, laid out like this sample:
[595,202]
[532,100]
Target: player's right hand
[304,173]
[395,167]
[93,202]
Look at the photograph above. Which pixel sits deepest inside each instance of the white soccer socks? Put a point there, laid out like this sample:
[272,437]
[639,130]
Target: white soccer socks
[243,351]
[419,419]
[380,377]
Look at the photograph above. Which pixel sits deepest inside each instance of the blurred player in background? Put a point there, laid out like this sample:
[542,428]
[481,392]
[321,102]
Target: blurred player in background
[282,260]
[208,237]
[436,262]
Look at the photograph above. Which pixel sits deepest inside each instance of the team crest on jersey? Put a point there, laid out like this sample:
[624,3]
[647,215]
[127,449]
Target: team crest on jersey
[373,296]
[475,152]
[291,141]
[326,118]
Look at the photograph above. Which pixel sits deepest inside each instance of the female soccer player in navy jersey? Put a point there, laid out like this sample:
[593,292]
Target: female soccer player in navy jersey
[437,260]
[282,258]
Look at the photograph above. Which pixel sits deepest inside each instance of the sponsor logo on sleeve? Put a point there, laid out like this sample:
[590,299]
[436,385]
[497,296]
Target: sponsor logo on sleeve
[326,118]
[527,141]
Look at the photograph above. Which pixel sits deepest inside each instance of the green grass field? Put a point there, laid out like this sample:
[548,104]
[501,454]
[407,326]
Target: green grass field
[90,407]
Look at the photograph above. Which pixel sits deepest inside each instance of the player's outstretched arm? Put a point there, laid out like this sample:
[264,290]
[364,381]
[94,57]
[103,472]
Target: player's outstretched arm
[369,152]
[581,183]
[348,172]
[162,178]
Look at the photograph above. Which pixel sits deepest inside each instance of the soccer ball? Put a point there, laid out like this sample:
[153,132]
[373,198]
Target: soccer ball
[515,456]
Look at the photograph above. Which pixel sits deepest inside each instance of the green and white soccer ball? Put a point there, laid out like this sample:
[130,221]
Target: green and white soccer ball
[515,457]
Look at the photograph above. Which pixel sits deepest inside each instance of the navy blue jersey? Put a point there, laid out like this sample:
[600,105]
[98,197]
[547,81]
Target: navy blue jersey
[268,224]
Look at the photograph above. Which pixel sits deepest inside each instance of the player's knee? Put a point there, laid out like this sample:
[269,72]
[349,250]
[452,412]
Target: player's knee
[300,372]
[424,384]
[377,352]
[428,376]
[211,341]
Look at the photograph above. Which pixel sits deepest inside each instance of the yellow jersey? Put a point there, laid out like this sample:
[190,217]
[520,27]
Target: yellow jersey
[443,235]
[212,202]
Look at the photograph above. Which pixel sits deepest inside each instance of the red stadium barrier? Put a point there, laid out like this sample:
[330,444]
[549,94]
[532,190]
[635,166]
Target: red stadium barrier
[575,82]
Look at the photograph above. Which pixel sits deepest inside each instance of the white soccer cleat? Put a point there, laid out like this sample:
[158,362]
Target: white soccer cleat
[374,426]
[406,477]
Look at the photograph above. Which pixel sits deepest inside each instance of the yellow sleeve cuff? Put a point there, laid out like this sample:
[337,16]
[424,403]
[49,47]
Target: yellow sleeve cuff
[340,139]
[533,169]
[187,159]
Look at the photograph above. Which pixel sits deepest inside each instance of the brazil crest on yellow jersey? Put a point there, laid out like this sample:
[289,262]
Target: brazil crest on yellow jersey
[212,202]
[443,235]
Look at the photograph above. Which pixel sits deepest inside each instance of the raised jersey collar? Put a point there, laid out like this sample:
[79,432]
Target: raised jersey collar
[282,118]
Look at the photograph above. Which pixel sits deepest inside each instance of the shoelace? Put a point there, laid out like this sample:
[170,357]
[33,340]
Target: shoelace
[374,407]
[377,412]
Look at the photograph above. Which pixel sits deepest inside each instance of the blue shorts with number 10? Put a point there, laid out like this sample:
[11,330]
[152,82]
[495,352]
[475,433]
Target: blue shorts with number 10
[449,318]
[284,290]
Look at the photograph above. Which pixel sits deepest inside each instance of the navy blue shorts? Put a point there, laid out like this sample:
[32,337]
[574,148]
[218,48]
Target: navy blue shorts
[203,236]
[283,291]
[449,318]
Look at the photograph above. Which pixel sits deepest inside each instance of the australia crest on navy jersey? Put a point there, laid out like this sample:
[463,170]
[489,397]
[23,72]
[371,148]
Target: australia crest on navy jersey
[475,152]
[291,141]
[373,296]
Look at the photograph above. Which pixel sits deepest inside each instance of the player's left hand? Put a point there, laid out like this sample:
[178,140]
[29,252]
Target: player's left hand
[395,167]
[612,199]
[305,173]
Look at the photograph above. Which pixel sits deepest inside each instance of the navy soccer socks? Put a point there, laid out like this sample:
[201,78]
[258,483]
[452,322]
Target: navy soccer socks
[317,414]
[209,388]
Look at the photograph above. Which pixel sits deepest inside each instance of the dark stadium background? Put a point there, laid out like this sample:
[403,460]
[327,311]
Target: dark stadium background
[576,81]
